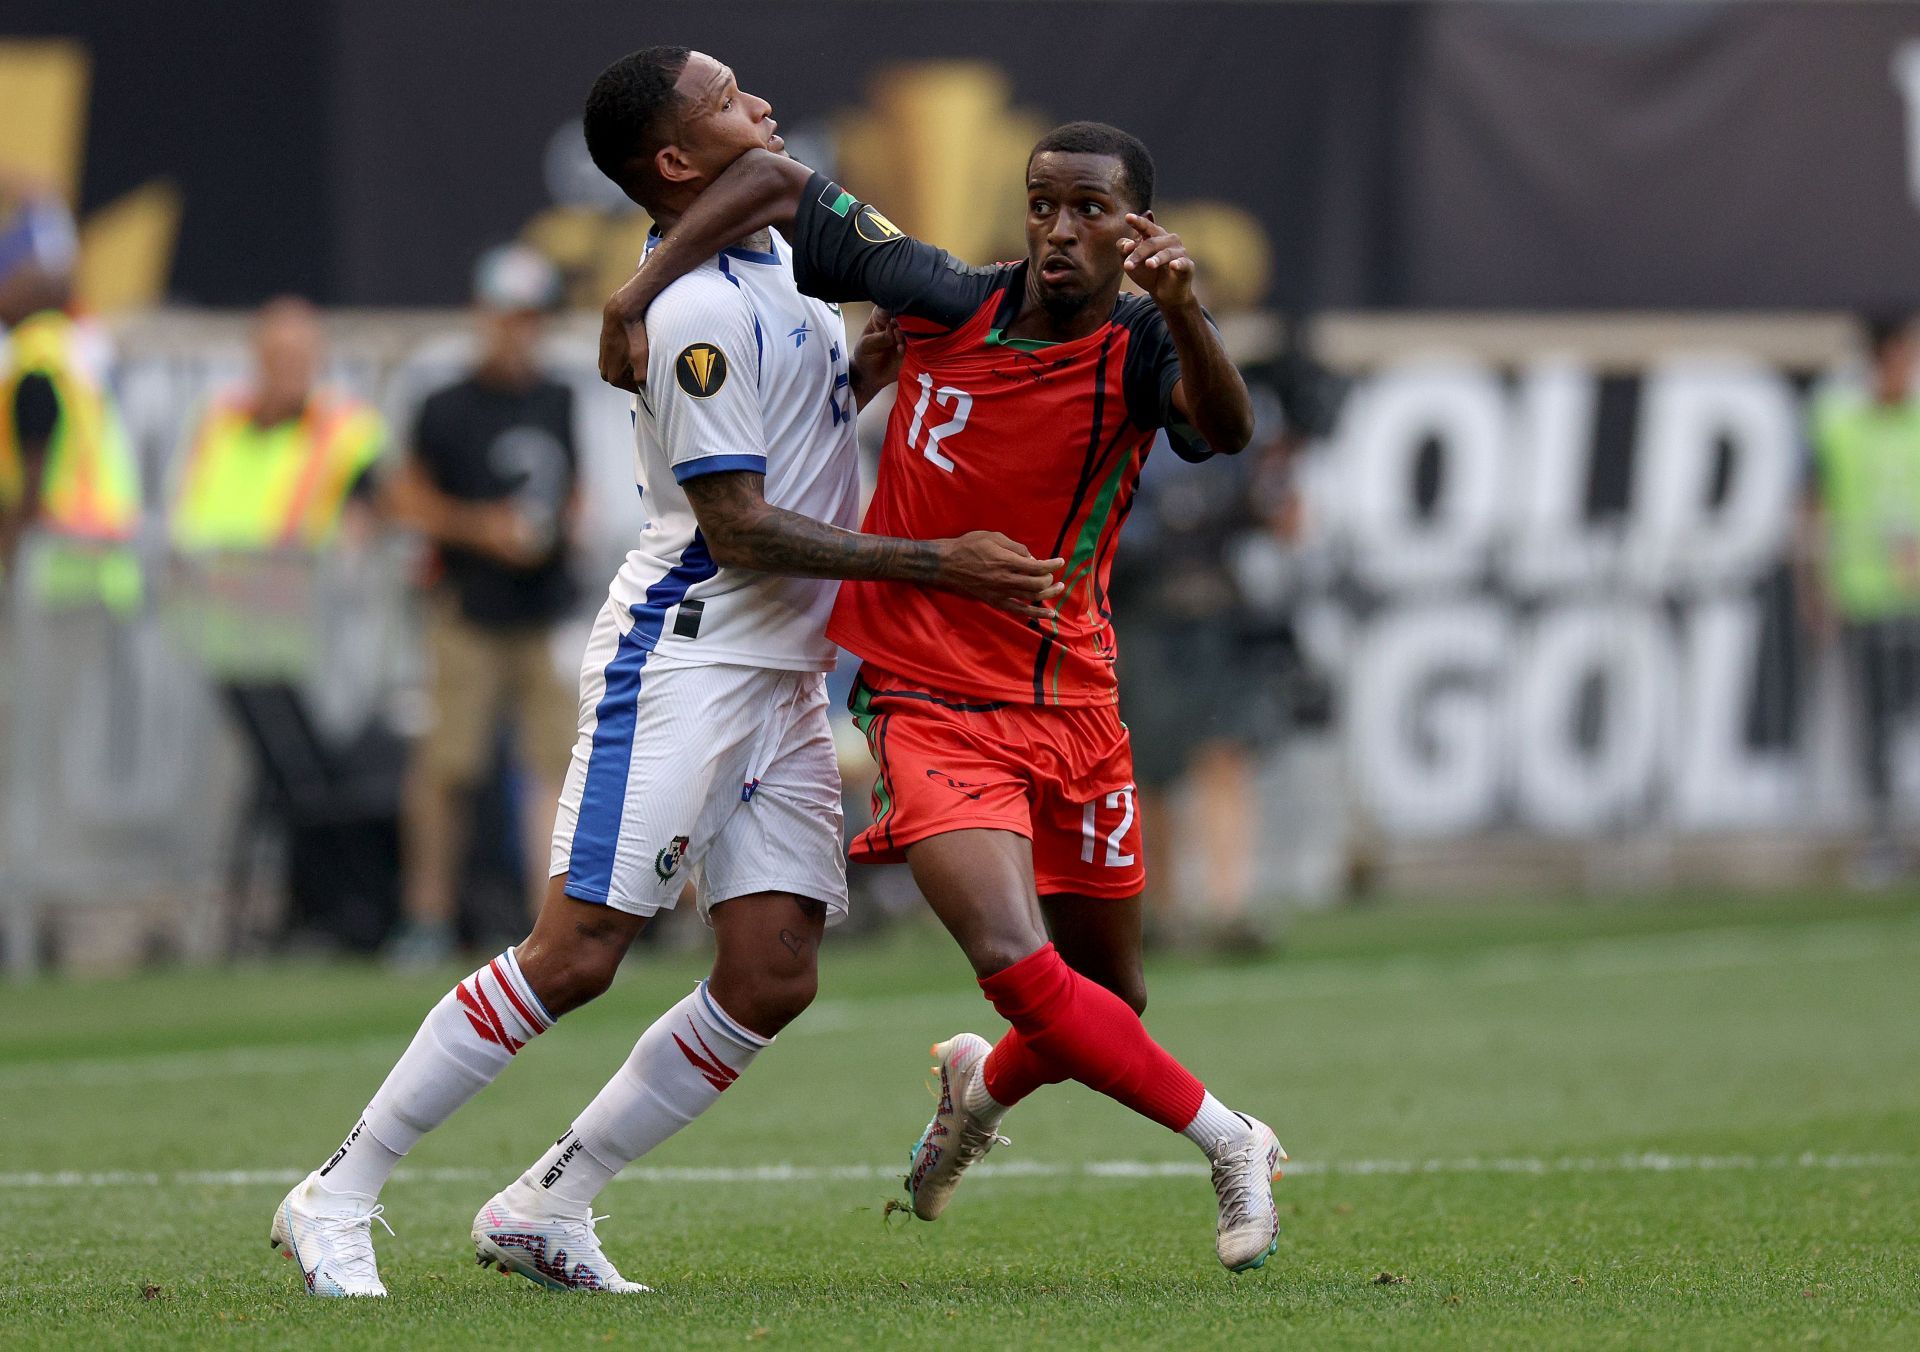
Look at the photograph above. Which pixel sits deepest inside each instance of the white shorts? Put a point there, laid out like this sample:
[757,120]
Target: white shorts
[691,771]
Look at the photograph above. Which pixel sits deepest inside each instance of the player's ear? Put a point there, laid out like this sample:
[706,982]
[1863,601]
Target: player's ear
[673,165]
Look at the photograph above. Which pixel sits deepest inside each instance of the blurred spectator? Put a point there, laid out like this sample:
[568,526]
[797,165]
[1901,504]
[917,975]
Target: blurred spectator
[67,474]
[273,479]
[284,465]
[1862,551]
[37,239]
[1188,693]
[491,482]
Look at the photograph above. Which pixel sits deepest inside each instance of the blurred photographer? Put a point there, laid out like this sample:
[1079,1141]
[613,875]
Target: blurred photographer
[491,482]
[1210,666]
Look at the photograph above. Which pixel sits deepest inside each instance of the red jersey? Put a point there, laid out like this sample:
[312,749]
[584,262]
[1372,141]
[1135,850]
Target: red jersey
[1041,442]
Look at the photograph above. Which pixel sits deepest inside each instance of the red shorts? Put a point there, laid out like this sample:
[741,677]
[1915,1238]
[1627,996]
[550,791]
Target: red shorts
[1060,776]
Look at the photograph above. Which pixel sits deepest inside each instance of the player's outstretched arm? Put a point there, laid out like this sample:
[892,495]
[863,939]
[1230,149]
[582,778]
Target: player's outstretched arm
[758,190]
[744,530]
[1211,396]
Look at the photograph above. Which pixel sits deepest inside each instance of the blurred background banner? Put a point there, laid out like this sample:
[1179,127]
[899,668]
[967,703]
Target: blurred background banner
[1330,155]
[1543,560]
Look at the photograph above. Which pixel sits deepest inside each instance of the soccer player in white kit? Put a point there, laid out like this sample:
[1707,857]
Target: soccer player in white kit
[704,753]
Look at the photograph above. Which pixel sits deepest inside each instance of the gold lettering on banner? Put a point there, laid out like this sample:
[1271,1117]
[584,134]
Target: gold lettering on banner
[941,148]
[127,246]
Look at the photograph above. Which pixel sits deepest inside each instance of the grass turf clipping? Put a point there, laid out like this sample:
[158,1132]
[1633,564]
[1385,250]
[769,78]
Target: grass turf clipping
[1690,1123]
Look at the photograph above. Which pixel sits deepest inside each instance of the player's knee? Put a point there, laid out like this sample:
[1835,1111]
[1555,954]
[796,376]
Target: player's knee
[566,978]
[993,953]
[788,998]
[767,996]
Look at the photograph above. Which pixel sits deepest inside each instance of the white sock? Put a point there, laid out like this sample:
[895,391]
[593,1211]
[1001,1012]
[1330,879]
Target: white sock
[1215,1125]
[975,1099]
[465,1041]
[678,1069]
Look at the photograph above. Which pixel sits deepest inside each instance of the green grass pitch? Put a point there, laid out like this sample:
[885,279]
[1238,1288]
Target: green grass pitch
[1691,1123]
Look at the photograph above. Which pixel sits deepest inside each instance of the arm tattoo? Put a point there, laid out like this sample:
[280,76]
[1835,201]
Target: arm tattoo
[744,530]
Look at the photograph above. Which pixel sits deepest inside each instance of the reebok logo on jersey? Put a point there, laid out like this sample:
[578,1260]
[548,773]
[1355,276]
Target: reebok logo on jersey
[701,369]
[875,228]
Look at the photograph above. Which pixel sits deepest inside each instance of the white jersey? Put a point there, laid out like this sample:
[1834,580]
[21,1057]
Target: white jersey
[743,373]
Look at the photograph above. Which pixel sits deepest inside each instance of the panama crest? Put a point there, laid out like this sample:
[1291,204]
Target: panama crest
[667,862]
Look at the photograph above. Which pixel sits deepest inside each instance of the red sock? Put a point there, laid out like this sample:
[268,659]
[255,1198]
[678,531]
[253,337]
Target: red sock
[1090,1034]
[1014,1069]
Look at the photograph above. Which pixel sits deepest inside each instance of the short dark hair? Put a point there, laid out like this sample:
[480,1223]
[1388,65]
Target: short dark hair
[1097,138]
[1885,328]
[628,109]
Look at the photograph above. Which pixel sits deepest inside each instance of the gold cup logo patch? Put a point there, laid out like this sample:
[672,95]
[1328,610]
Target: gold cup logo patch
[875,228]
[701,369]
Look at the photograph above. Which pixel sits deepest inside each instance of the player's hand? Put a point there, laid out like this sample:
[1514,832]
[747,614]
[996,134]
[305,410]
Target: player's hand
[987,566]
[1157,263]
[877,355]
[623,344]
[506,535]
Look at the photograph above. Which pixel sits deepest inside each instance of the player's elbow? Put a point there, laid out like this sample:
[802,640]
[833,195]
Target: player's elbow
[729,546]
[1233,431]
[775,183]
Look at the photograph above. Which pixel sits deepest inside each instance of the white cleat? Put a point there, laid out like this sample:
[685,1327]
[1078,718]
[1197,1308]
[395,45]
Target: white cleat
[560,1252]
[955,1138]
[1244,1172]
[331,1238]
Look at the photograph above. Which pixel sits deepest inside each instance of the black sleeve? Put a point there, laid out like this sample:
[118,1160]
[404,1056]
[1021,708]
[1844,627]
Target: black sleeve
[843,249]
[1152,370]
[36,409]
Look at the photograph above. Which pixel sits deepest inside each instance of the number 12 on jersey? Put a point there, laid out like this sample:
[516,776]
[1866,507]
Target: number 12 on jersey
[1122,801]
[944,399]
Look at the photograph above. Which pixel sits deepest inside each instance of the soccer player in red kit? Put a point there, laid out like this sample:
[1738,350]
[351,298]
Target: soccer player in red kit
[1029,394]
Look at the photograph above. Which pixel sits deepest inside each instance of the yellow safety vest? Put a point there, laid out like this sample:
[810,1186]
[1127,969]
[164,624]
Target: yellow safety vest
[89,486]
[1869,462]
[248,487]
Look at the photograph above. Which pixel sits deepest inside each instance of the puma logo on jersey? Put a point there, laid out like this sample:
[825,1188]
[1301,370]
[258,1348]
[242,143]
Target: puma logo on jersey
[701,369]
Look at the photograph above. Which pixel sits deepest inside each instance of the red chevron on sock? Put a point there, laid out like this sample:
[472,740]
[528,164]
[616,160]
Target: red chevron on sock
[480,1013]
[717,1072]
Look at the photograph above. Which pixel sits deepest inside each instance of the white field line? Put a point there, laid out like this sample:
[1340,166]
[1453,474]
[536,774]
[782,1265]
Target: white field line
[1526,1166]
[1730,949]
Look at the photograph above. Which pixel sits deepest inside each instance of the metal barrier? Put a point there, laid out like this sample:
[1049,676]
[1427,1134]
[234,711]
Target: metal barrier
[123,777]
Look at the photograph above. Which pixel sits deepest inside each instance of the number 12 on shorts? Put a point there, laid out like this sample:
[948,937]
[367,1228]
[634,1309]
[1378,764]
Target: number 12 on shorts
[1121,801]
